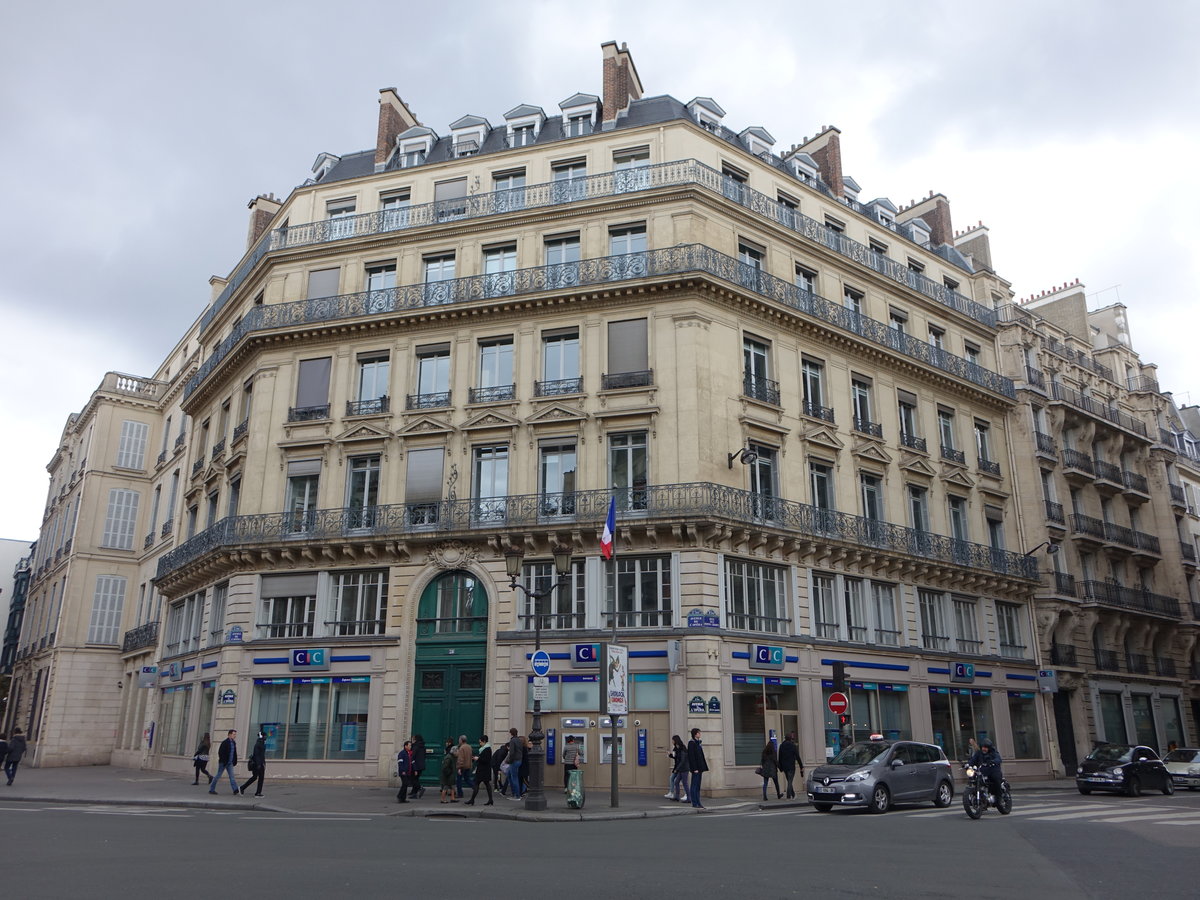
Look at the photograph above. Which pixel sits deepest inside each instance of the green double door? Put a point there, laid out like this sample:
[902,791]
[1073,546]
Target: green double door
[450,675]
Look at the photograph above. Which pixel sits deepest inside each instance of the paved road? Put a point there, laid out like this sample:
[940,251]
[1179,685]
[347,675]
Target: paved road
[1054,844]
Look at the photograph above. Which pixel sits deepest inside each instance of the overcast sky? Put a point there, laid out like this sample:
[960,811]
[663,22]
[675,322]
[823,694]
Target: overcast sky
[132,135]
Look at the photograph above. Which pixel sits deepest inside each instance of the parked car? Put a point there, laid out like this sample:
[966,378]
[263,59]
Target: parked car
[1184,766]
[878,773]
[1124,768]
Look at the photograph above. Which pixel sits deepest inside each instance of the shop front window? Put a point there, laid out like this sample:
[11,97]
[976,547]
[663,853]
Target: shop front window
[1022,711]
[760,704]
[1143,720]
[1172,724]
[960,715]
[313,718]
[173,719]
[875,708]
[1113,717]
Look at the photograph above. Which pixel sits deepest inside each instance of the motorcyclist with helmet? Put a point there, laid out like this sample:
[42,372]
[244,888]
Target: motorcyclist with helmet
[987,760]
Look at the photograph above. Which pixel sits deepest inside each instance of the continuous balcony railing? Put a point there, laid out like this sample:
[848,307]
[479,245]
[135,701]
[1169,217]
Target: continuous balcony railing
[690,500]
[142,636]
[762,389]
[1089,526]
[1074,459]
[1078,357]
[679,260]
[681,173]
[1111,594]
[1095,408]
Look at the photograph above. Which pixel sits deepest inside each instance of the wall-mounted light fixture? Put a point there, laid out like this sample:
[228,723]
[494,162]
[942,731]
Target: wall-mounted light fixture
[748,454]
[1051,549]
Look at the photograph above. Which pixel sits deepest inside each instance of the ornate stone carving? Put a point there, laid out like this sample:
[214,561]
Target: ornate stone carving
[451,554]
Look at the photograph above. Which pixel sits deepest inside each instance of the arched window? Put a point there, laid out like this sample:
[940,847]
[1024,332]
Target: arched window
[453,603]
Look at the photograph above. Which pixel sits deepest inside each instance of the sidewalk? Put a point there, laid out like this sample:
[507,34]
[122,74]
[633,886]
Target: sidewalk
[146,787]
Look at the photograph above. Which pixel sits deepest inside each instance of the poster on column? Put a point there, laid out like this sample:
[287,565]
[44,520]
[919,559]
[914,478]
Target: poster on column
[616,668]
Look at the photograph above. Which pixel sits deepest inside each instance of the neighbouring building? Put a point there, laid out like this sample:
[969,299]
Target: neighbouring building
[457,346]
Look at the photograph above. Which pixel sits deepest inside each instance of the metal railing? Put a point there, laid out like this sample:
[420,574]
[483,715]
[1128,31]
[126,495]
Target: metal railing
[1147,542]
[1137,664]
[958,456]
[1112,594]
[1106,471]
[1164,667]
[990,466]
[1062,654]
[1012,651]
[1142,383]
[590,508]
[1187,551]
[913,442]
[494,394]
[1045,443]
[643,378]
[1089,526]
[761,389]
[1099,410]
[241,430]
[1176,494]
[866,426]
[1075,459]
[1064,583]
[1135,482]
[816,411]
[217,449]
[1054,512]
[751,622]
[1106,660]
[376,407]
[1120,534]
[668,261]
[557,387]
[435,400]
[1035,377]
[1078,357]
[307,413]
[681,173]
[140,637]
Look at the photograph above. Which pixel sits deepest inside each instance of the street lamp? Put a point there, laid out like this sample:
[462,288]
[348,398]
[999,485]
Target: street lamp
[535,798]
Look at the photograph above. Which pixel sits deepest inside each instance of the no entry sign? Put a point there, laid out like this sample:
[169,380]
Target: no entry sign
[838,703]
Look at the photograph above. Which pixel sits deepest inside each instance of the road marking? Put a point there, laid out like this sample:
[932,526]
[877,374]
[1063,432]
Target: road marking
[253,818]
[1142,817]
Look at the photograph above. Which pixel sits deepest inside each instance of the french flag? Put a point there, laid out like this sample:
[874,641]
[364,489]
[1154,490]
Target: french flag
[610,529]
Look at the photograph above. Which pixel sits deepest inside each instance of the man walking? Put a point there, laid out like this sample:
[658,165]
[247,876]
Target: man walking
[16,750]
[483,771]
[697,765]
[789,759]
[516,753]
[465,756]
[418,766]
[226,760]
[405,770]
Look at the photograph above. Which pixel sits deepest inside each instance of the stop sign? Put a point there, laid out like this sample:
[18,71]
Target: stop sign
[838,703]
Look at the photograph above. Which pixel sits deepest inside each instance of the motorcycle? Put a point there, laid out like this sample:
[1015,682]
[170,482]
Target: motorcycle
[977,798]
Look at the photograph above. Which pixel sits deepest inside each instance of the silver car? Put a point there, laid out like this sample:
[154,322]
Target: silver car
[878,773]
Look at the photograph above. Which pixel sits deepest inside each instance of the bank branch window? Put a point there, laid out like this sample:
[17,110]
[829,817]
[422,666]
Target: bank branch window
[958,715]
[1022,710]
[875,708]
[176,706]
[313,718]
[760,703]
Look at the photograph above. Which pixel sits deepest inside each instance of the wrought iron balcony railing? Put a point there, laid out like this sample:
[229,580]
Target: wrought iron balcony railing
[1054,512]
[179,441]
[1064,583]
[142,636]
[1137,664]
[1075,459]
[691,500]
[1088,526]
[913,442]
[1097,409]
[435,400]
[817,411]
[866,426]
[1045,443]
[1106,660]
[1142,383]
[1147,542]
[952,455]
[762,389]
[1062,654]
[218,448]
[1120,534]
[1111,594]
[1135,482]
[377,407]
[615,380]
[167,528]
[241,430]
[1035,378]
[1164,667]
[1176,493]
[162,458]
[557,387]
[307,413]
[1187,551]
[990,466]
[608,184]
[685,258]
[1106,471]
[495,394]
[197,467]
[1078,357]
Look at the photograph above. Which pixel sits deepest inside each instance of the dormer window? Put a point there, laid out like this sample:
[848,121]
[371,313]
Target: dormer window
[707,113]
[524,125]
[579,114]
[805,168]
[578,125]
[522,136]
[465,147]
[708,124]
[469,133]
[413,146]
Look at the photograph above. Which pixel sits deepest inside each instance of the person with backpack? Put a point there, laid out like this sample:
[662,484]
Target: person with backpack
[498,757]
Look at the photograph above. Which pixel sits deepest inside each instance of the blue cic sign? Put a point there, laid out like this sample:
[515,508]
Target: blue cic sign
[764,656]
[308,660]
[586,656]
[962,673]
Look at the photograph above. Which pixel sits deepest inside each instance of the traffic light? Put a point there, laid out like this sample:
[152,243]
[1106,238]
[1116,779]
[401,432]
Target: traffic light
[843,720]
[839,676]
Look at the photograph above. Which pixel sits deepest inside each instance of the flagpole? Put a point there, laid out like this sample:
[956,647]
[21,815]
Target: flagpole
[610,526]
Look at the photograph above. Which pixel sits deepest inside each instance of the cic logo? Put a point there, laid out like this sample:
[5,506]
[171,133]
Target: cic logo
[764,656]
[308,660]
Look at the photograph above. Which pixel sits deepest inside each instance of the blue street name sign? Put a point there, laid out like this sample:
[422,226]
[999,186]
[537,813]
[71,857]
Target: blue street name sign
[541,663]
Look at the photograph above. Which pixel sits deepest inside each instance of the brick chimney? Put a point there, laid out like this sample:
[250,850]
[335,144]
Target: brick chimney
[935,210]
[826,149]
[394,118]
[262,211]
[621,82]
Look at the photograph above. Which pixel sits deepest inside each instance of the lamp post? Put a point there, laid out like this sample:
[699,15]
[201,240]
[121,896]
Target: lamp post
[535,798]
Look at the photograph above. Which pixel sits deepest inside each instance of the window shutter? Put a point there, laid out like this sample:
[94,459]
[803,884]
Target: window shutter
[121,518]
[627,347]
[131,453]
[107,604]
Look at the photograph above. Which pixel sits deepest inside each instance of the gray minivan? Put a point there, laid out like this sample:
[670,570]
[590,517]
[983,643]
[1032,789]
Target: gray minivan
[878,773]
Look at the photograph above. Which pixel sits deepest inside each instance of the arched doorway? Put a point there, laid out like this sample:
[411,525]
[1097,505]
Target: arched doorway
[450,677]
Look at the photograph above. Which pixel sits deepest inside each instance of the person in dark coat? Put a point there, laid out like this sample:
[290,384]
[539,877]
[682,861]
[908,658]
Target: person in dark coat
[697,765]
[226,760]
[200,759]
[483,771]
[418,766]
[257,764]
[498,758]
[16,750]
[769,768]
[405,770]
[789,761]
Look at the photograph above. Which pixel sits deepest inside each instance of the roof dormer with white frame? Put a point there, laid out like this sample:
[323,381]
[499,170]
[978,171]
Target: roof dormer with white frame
[413,145]
[805,167]
[524,123]
[322,165]
[468,134]
[579,112]
[707,113]
[850,189]
[758,140]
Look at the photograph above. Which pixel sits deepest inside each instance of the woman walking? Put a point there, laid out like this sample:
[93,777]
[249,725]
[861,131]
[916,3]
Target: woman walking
[257,764]
[200,759]
[769,770]
[679,769]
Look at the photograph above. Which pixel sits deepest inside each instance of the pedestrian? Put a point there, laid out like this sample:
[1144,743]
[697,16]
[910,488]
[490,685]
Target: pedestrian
[769,769]
[498,763]
[789,761]
[516,753]
[465,757]
[679,769]
[226,760]
[570,760]
[404,768]
[200,759]
[449,762]
[483,771]
[697,765]
[418,766]
[12,759]
[525,764]
[3,748]
[257,764]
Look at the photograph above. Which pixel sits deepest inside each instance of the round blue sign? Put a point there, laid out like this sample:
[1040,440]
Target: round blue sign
[541,662]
